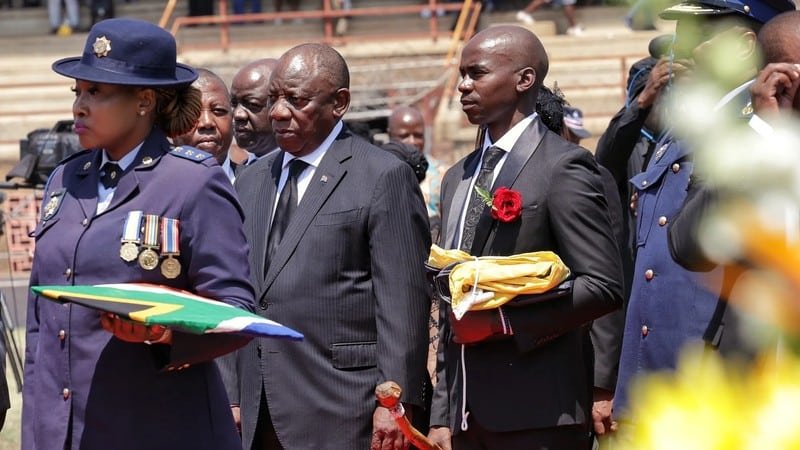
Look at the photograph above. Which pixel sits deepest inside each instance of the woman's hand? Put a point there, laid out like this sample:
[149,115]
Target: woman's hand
[129,331]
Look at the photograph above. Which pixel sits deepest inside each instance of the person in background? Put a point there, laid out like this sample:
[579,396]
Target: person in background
[54,13]
[574,29]
[574,130]
[95,380]
[213,132]
[406,125]
[251,125]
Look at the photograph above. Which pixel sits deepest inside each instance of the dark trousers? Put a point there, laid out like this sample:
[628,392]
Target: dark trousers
[572,437]
[265,437]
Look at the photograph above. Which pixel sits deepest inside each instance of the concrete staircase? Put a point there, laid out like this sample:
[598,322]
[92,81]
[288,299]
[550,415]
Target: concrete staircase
[590,69]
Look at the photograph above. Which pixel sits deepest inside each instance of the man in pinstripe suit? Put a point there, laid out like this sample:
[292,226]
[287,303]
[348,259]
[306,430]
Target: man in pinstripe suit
[344,267]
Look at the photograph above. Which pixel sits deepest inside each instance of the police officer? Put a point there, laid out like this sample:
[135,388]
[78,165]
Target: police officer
[130,210]
[669,306]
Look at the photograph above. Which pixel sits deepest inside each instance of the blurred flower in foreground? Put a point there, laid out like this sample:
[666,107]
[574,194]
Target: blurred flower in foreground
[708,404]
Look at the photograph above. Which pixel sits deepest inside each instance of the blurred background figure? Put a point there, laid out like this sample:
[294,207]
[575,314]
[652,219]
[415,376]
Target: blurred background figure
[407,126]
[575,29]
[213,131]
[574,130]
[57,19]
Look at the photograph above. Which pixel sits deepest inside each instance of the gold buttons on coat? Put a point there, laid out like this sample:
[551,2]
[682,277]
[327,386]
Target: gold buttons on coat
[65,393]
[645,330]
[676,168]
[662,221]
[648,274]
[62,335]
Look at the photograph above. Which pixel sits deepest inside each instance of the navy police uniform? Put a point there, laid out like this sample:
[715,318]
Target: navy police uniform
[83,387]
[670,306]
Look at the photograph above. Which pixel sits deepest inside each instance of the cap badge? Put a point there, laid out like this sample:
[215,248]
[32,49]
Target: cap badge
[101,46]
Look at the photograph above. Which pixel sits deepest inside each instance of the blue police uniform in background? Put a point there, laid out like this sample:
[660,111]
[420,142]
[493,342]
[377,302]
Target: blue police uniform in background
[85,388]
[670,306]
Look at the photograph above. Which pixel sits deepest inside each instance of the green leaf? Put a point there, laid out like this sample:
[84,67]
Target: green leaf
[484,195]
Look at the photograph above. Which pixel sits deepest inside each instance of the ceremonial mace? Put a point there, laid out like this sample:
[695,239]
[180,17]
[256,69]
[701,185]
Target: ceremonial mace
[388,395]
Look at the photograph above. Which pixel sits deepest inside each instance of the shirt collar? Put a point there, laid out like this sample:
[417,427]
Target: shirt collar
[313,159]
[126,160]
[508,140]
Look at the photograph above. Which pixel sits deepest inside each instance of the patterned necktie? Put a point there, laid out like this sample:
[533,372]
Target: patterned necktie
[110,174]
[475,206]
[287,203]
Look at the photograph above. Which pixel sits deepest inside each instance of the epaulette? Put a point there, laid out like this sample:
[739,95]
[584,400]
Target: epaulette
[190,153]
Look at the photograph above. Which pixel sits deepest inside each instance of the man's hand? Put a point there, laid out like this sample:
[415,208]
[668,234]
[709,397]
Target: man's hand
[475,326]
[237,417]
[441,436]
[601,412]
[664,70]
[775,88]
[130,331]
[386,434]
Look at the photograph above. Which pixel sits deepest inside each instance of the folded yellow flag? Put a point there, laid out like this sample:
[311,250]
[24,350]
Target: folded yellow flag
[499,278]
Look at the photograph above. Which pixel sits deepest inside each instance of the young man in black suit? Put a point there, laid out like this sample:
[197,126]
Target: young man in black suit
[516,377]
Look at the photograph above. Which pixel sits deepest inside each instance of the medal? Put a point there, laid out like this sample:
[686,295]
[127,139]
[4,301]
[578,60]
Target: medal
[170,268]
[170,241]
[131,236]
[148,259]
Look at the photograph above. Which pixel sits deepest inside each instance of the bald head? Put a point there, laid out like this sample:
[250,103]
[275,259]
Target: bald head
[257,71]
[517,45]
[503,68]
[251,123]
[780,38]
[406,125]
[319,60]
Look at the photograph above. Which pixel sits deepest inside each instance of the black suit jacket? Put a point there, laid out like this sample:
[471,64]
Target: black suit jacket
[349,275]
[539,377]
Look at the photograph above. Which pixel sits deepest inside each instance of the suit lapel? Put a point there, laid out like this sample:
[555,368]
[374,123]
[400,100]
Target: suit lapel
[326,178]
[519,155]
[458,199]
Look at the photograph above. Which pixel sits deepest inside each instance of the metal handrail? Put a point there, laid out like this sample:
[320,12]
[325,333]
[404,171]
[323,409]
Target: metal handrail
[328,14]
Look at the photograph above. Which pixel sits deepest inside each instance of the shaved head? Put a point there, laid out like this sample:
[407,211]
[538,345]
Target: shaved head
[502,69]
[406,125]
[251,124]
[322,59]
[780,38]
[519,46]
[255,72]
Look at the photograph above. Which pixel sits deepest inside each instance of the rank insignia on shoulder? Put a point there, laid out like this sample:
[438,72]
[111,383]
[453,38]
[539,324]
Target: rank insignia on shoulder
[190,153]
[53,204]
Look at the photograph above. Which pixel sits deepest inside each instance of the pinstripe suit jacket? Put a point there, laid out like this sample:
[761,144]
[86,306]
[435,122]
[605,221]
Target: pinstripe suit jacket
[349,275]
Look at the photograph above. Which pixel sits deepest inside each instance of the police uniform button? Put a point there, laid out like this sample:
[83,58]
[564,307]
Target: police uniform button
[662,221]
[68,272]
[676,168]
[648,274]
[85,222]
[644,182]
[62,335]
[65,393]
[645,330]
[262,305]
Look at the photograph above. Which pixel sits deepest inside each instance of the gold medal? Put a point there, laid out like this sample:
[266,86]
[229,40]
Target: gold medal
[170,268]
[129,251]
[148,259]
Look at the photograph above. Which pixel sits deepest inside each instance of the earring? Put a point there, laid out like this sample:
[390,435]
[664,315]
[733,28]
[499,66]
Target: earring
[141,113]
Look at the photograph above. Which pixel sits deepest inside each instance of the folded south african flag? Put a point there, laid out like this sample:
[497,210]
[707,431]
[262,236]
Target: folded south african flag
[152,304]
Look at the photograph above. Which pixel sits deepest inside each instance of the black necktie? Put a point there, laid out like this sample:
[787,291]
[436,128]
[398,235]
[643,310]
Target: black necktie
[475,206]
[287,203]
[110,174]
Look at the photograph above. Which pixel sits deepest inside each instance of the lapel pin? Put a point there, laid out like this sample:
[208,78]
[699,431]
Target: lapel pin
[324,179]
